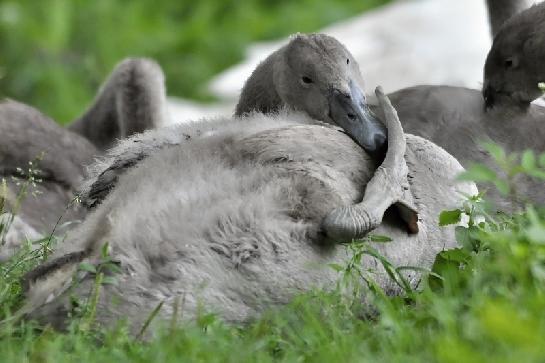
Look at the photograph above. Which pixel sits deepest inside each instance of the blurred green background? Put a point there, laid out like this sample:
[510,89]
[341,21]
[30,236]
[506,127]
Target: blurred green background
[55,53]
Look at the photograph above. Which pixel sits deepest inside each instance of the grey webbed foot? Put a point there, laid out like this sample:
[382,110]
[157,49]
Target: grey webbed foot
[389,186]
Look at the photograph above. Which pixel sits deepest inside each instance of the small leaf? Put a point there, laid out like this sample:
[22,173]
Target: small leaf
[502,186]
[528,160]
[112,267]
[495,150]
[542,159]
[85,266]
[462,237]
[336,267]
[104,251]
[478,173]
[379,238]
[455,255]
[109,280]
[467,237]
[204,320]
[450,217]
[106,260]
[447,265]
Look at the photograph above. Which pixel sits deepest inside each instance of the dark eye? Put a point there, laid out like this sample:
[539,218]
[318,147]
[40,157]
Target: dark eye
[347,61]
[508,63]
[306,80]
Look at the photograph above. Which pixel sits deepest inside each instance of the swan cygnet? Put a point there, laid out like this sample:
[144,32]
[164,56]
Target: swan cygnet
[232,221]
[132,100]
[514,66]
[313,73]
[460,119]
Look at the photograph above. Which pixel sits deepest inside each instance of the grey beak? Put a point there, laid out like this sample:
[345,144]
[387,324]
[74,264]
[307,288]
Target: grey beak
[350,112]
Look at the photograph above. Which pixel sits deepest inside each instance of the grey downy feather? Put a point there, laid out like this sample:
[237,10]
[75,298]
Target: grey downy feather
[231,221]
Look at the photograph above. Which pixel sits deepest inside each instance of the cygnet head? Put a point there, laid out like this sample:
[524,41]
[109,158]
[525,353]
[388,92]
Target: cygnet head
[316,74]
[515,65]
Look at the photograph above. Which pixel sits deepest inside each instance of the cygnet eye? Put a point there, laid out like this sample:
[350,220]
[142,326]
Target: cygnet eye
[508,63]
[306,80]
[347,61]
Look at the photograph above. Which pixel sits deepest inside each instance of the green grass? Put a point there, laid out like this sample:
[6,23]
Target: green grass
[488,307]
[483,302]
[55,53]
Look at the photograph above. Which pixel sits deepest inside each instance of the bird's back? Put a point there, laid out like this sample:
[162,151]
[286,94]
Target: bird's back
[58,158]
[455,119]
